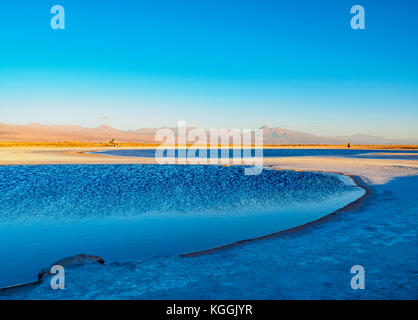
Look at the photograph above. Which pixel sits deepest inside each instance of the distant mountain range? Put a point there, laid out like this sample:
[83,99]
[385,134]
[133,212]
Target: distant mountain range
[285,136]
[35,132]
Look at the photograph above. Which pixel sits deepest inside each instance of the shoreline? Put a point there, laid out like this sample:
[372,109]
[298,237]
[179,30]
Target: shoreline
[304,226]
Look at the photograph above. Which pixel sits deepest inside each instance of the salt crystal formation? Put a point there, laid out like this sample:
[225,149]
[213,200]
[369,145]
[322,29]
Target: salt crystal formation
[77,191]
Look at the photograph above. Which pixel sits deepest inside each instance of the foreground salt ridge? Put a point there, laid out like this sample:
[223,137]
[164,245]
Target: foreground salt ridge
[381,234]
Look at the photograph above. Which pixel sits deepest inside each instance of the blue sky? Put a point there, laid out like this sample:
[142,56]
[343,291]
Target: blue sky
[216,64]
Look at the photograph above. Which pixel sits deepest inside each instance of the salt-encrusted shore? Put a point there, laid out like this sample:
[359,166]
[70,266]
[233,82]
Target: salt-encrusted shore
[38,156]
[380,228]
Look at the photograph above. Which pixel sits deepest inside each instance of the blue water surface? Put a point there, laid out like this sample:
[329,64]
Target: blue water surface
[137,212]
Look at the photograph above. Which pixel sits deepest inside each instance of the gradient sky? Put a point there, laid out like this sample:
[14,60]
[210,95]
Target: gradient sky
[214,63]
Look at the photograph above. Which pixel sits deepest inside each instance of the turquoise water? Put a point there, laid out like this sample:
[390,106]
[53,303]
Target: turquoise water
[137,212]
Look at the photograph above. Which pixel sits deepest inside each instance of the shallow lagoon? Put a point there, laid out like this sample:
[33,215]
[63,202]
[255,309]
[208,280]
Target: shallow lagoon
[136,212]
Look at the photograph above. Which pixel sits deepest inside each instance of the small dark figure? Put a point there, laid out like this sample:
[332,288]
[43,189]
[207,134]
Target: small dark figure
[348,145]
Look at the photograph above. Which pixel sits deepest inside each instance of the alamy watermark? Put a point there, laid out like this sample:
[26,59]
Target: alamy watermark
[58,280]
[358,281]
[58,18]
[358,21]
[184,145]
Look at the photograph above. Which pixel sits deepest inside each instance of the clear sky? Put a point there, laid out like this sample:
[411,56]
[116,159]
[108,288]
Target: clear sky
[214,63]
